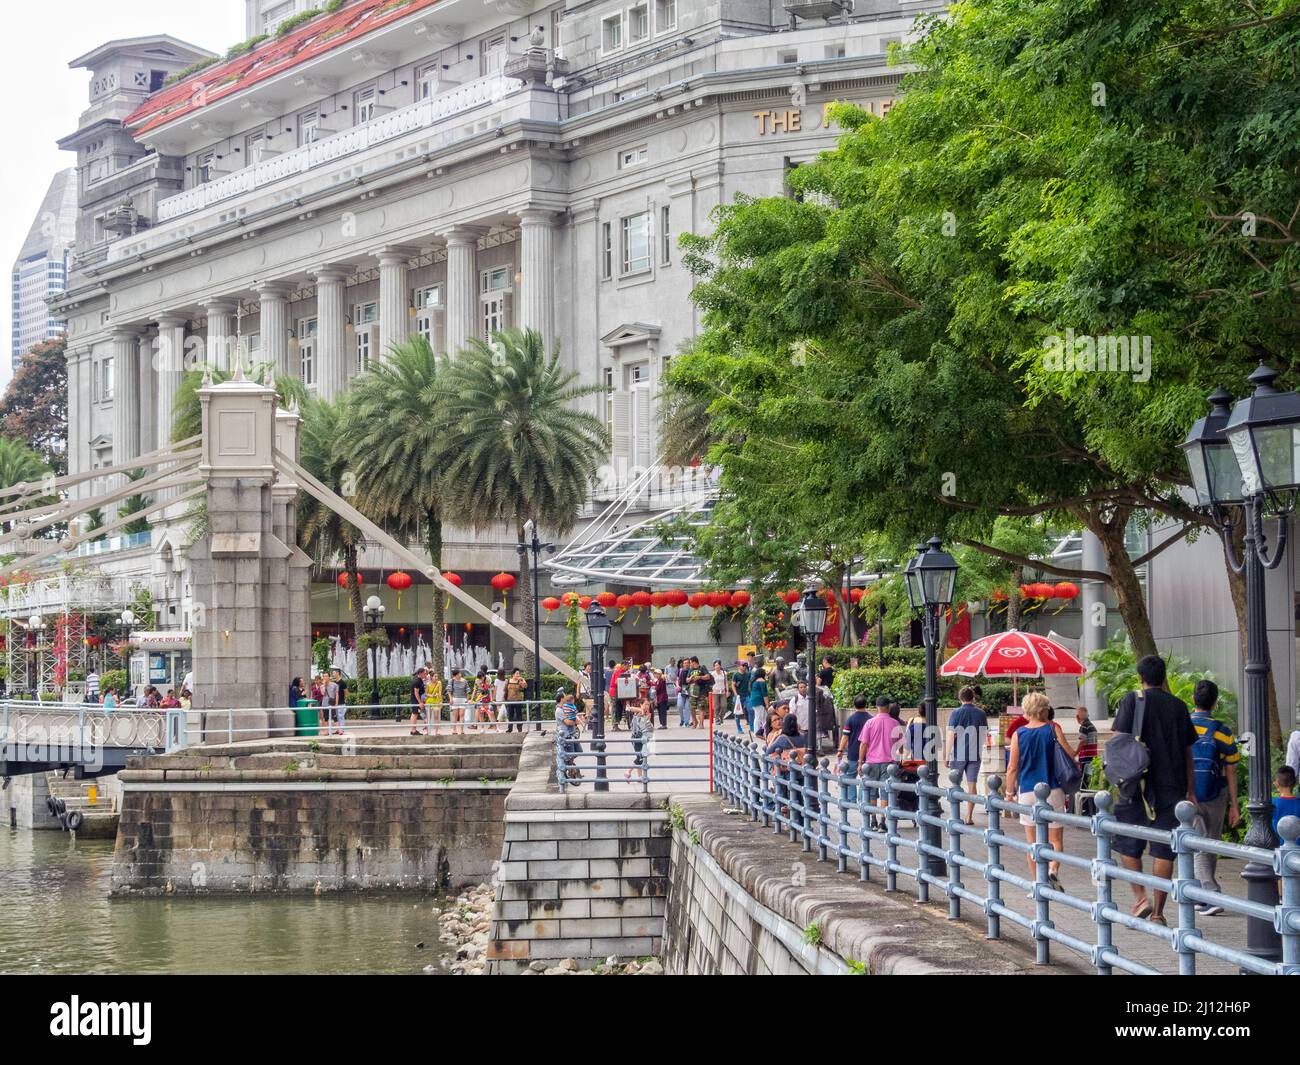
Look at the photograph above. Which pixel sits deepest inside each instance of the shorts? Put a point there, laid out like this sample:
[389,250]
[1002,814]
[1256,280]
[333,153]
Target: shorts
[1134,813]
[1056,800]
[970,770]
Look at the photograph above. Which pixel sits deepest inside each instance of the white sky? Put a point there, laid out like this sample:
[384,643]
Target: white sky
[44,98]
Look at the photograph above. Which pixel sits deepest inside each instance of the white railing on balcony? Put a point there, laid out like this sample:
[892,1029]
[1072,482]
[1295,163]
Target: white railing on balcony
[417,116]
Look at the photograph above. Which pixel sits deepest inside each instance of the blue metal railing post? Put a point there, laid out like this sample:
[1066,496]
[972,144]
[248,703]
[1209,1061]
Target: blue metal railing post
[922,811]
[993,920]
[1184,877]
[1288,914]
[891,830]
[1101,878]
[1042,946]
[954,845]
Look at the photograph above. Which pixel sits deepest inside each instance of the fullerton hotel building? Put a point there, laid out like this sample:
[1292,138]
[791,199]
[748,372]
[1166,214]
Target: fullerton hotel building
[351,175]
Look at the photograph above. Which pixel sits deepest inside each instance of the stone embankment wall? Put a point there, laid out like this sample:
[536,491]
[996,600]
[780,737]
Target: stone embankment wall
[583,876]
[308,817]
[743,901]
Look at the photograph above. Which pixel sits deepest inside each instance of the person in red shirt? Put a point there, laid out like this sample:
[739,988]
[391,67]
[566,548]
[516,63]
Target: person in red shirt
[616,671]
[1016,722]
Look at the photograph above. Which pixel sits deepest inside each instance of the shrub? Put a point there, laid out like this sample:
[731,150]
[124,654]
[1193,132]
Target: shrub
[904,683]
[113,678]
[869,655]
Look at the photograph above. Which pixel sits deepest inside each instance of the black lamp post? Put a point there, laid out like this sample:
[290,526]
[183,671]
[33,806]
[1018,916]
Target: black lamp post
[535,546]
[598,628]
[930,578]
[813,614]
[374,615]
[1247,458]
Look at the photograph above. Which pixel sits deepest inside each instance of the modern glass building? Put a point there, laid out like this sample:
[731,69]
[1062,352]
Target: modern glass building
[41,269]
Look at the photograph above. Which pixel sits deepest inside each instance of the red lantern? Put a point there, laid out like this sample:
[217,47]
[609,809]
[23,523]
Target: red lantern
[399,582]
[345,580]
[658,600]
[719,599]
[790,597]
[503,582]
[740,598]
[1066,590]
[623,601]
[696,600]
[584,602]
[550,603]
[607,599]
[642,599]
[452,578]
[677,597]
[569,598]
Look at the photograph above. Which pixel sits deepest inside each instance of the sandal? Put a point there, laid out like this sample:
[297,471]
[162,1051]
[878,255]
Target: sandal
[1158,918]
[1142,908]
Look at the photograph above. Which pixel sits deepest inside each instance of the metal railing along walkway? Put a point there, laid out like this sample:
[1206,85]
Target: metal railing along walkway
[797,799]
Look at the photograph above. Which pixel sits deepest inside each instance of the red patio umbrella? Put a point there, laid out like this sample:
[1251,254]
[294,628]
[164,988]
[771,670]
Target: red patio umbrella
[1013,654]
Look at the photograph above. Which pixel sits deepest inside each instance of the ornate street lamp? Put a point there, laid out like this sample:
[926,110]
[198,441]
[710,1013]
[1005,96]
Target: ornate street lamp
[812,610]
[598,630]
[374,615]
[931,578]
[534,546]
[1261,433]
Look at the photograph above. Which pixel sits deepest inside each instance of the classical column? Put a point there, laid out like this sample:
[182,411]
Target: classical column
[78,418]
[331,348]
[221,333]
[274,326]
[168,365]
[126,390]
[462,286]
[394,324]
[536,266]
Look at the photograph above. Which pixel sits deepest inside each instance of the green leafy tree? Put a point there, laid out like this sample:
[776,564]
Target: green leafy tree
[323,534]
[187,411]
[34,407]
[19,464]
[396,445]
[520,447]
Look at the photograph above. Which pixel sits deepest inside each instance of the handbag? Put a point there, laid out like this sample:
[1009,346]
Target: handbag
[1068,774]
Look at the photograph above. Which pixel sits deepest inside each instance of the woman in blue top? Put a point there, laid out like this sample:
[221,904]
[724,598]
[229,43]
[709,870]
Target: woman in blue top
[1033,762]
[757,699]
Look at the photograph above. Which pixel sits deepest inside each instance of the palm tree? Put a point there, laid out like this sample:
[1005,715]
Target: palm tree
[19,464]
[520,447]
[321,532]
[396,445]
[133,504]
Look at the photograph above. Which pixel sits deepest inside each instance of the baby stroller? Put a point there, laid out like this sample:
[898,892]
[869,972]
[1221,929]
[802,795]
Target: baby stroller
[907,774]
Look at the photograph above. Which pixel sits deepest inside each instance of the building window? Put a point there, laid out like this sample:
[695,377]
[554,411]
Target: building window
[496,297]
[307,350]
[308,127]
[608,381]
[611,33]
[428,302]
[788,57]
[98,169]
[665,235]
[606,251]
[638,23]
[254,147]
[636,243]
[630,157]
[365,102]
[203,167]
[427,89]
[272,17]
[665,15]
[103,380]
[364,316]
[494,54]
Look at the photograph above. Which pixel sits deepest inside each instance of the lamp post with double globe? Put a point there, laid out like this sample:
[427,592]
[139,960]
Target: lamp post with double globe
[1245,465]
[598,629]
[374,615]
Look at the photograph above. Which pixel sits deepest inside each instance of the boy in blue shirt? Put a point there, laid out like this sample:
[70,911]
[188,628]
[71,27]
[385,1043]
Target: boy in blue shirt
[1286,804]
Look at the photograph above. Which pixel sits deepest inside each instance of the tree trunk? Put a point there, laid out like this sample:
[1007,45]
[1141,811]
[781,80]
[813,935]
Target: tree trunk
[352,569]
[438,637]
[1123,577]
[1013,598]
[1237,589]
[526,605]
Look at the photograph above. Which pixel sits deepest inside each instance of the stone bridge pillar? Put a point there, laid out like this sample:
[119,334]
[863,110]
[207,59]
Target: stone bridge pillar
[250,581]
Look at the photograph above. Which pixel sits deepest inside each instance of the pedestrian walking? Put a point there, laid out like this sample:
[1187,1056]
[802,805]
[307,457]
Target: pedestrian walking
[1165,730]
[659,691]
[967,731]
[700,685]
[849,748]
[1088,747]
[721,684]
[1214,773]
[878,749]
[1285,803]
[459,702]
[340,701]
[1033,762]
[758,698]
[417,701]
[515,690]
[642,729]
[741,683]
[786,747]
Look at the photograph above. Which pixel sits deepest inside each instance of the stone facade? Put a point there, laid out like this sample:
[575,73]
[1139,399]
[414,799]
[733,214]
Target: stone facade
[581,876]
[465,166]
[380,815]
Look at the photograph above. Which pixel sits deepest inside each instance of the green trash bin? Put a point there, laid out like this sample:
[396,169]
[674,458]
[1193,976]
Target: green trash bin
[307,717]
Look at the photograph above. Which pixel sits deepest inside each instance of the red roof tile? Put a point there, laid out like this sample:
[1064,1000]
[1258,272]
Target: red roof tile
[322,34]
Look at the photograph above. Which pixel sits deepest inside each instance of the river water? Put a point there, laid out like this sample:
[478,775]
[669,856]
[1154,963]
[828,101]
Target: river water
[56,917]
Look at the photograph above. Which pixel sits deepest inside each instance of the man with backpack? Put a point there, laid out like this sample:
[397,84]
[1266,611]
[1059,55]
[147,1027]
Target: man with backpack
[1214,764]
[1155,722]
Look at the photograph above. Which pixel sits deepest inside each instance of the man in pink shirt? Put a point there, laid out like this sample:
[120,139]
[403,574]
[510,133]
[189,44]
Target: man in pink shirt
[878,747]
